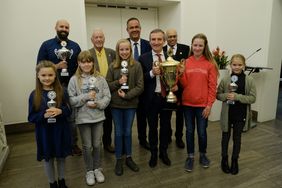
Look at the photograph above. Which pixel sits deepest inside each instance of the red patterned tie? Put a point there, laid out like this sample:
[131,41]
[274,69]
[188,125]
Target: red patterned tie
[163,90]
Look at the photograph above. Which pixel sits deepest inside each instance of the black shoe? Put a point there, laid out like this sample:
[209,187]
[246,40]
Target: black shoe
[165,159]
[224,165]
[109,149]
[234,167]
[53,185]
[62,183]
[118,167]
[153,161]
[180,143]
[145,145]
[131,164]
[204,161]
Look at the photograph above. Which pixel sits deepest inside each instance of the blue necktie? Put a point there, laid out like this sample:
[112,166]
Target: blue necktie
[136,53]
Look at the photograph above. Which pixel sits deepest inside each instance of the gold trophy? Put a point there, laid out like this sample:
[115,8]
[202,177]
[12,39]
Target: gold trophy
[169,77]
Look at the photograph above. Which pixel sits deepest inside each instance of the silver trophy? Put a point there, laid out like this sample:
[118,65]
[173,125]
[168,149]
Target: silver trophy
[51,104]
[124,71]
[64,54]
[92,87]
[232,87]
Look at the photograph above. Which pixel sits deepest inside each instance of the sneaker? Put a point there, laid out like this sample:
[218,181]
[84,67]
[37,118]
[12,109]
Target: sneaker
[76,150]
[204,161]
[90,179]
[189,164]
[100,178]
[118,167]
[131,164]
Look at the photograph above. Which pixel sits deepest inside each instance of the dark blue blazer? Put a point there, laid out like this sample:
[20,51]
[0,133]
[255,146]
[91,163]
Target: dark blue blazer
[146,61]
[145,46]
[182,51]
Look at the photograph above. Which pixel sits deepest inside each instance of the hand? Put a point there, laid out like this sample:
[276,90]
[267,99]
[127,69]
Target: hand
[174,88]
[206,112]
[121,93]
[181,67]
[123,79]
[92,105]
[231,96]
[92,95]
[62,65]
[156,70]
[52,112]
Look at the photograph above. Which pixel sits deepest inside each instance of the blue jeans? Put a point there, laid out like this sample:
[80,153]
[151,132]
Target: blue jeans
[194,115]
[91,135]
[123,120]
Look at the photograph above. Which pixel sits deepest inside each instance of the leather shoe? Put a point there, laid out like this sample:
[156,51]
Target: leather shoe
[145,145]
[180,143]
[153,161]
[109,149]
[165,159]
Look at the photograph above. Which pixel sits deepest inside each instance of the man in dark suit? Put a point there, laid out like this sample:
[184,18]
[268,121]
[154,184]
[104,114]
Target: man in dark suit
[155,95]
[103,57]
[178,52]
[139,46]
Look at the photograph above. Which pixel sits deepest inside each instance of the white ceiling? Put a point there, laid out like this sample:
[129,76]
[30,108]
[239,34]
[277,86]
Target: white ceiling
[137,3]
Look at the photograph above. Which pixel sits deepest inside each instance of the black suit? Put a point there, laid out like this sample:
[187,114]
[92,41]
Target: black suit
[182,52]
[154,105]
[140,112]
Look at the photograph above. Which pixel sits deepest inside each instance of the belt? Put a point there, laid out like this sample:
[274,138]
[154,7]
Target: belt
[158,94]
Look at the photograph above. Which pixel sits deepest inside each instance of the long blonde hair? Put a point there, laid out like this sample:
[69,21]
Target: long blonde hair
[117,62]
[57,87]
[82,57]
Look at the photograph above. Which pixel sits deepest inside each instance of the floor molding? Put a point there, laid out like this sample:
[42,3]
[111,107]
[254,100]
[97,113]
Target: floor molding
[3,157]
[19,128]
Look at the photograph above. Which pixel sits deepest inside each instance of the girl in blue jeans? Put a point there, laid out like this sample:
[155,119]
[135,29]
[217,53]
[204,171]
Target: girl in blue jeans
[125,79]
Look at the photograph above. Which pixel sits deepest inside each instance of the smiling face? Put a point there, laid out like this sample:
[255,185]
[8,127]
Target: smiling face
[198,47]
[46,76]
[171,37]
[124,50]
[157,41]
[85,66]
[134,30]
[98,39]
[237,65]
[62,28]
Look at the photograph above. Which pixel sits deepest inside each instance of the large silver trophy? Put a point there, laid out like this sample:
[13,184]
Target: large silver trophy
[51,104]
[92,87]
[232,88]
[169,76]
[124,71]
[64,54]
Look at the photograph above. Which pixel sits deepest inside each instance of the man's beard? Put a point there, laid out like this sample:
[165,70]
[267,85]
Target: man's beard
[63,35]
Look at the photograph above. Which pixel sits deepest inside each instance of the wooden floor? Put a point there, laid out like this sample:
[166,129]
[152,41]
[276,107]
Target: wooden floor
[260,164]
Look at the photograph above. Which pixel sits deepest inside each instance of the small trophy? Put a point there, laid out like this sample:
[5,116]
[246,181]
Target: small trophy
[169,76]
[64,54]
[124,71]
[232,87]
[51,104]
[92,80]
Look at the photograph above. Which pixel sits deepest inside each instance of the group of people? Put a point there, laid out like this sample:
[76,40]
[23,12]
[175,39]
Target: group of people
[105,85]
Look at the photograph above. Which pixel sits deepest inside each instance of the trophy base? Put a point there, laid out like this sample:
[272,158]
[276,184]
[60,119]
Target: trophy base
[51,120]
[230,102]
[64,74]
[171,98]
[124,88]
[90,102]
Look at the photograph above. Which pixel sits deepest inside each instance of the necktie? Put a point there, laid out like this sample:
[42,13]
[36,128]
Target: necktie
[163,90]
[136,53]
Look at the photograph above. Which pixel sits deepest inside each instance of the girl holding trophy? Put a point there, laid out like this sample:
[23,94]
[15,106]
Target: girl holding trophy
[89,95]
[236,109]
[125,79]
[48,110]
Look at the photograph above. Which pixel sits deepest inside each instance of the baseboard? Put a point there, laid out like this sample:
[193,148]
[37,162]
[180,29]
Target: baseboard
[19,128]
[3,157]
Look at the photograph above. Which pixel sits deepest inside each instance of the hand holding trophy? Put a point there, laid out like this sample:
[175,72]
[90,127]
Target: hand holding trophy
[92,89]
[51,104]
[232,88]
[124,72]
[64,54]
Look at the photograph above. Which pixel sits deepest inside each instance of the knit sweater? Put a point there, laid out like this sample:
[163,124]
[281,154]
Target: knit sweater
[199,82]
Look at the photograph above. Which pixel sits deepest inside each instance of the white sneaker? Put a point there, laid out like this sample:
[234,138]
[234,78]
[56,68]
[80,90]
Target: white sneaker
[90,179]
[100,178]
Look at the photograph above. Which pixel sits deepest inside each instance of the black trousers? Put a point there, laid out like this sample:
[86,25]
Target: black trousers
[141,122]
[179,123]
[107,127]
[155,112]
[237,127]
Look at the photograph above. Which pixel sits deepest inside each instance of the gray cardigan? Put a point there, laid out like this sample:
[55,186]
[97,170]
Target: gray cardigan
[248,98]
[79,97]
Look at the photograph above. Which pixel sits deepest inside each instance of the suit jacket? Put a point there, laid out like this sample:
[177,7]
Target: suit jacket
[145,46]
[110,54]
[182,51]
[146,61]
